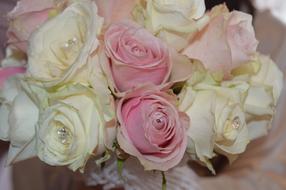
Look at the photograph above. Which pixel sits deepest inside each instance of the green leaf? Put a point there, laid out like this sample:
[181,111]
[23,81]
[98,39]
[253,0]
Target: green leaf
[164,181]
[120,163]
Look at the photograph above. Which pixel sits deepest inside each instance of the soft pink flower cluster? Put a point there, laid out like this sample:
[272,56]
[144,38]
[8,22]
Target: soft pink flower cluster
[151,127]
[141,67]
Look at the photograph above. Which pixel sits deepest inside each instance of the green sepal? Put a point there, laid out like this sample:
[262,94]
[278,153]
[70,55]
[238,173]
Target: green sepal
[164,181]
[120,164]
[101,161]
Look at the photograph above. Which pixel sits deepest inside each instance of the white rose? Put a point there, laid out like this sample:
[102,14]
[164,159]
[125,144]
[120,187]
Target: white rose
[18,118]
[227,115]
[172,20]
[231,132]
[60,50]
[262,97]
[218,123]
[75,125]
[269,75]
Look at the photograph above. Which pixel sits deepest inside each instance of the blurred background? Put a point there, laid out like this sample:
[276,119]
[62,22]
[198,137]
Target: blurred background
[254,170]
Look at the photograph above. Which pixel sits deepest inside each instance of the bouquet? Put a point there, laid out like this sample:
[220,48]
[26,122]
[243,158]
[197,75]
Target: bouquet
[156,80]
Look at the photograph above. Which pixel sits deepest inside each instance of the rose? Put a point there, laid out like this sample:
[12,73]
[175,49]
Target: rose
[152,129]
[234,112]
[8,92]
[226,43]
[173,21]
[218,124]
[193,9]
[136,57]
[26,17]
[263,94]
[269,76]
[75,125]
[17,125]
[218,120]
[18,114]
[60,51]
[231,132]
[265,81]
[22,99]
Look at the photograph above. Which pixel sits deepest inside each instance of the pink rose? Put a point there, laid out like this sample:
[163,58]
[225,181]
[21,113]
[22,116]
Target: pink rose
[227,42]
[7,72]
[25,18]
[152,129]
[135,57]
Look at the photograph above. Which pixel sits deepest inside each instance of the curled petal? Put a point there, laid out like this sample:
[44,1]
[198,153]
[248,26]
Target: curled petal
[6,73]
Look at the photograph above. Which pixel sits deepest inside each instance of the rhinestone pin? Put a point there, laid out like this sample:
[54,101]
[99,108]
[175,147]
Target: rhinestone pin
[63,135]
[70,43]
[236,122]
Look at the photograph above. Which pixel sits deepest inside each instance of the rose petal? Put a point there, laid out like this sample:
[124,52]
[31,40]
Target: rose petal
[114,10]
[27,6]
[8,72]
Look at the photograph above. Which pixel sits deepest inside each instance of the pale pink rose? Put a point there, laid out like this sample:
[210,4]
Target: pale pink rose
[25,18]
[7,72]
[152,129]
[115,10]
[227,42]
[135,56]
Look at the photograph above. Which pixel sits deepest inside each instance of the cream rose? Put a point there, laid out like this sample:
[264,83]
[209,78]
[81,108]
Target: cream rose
[262,97]
[18,118]
[61,49]
[173,21]
[217,117]
[227,115]
[74,126]
[231,133]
